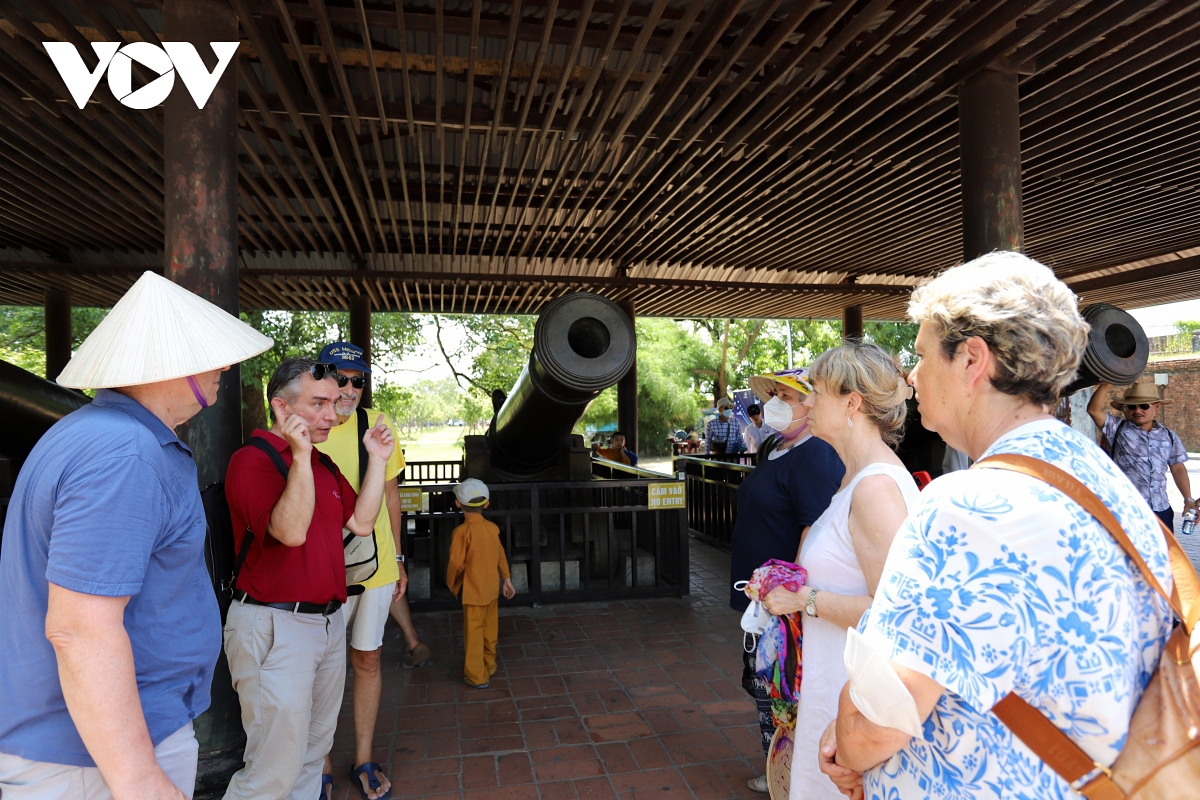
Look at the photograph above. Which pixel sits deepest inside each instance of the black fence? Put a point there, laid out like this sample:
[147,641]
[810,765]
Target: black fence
[712,495]
[565,542]
[431,472]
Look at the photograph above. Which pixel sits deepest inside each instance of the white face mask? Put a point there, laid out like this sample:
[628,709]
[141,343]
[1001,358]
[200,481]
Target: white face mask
[777,413]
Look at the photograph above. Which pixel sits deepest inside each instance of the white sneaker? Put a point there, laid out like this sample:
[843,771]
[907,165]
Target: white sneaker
[758,784]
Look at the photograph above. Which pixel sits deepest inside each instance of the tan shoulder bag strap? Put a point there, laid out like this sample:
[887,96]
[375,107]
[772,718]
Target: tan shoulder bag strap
[1028,723]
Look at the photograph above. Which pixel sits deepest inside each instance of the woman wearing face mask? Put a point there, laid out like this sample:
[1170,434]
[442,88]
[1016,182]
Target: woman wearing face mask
[777,502]
[857,406]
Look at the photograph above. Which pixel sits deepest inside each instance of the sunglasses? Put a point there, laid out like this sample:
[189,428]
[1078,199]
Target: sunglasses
[1142,406]
[358,382]
[321,371]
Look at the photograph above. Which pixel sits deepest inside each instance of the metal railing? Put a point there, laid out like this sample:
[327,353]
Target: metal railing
[603,468]
[711,487]
[431,472]
[565,542]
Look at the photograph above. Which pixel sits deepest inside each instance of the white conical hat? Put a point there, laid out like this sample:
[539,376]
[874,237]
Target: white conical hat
[156,332]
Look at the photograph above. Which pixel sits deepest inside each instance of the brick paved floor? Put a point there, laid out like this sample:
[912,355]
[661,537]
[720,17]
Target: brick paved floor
[624,699]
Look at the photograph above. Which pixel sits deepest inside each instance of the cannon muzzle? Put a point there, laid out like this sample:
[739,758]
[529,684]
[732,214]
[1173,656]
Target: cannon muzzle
[582,344]
[1117,349]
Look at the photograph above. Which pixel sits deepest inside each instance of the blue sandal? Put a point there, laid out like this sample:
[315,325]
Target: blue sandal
[369,769]
[326,787]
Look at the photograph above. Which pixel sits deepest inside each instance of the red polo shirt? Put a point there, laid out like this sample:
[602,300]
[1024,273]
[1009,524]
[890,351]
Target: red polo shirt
[314,572]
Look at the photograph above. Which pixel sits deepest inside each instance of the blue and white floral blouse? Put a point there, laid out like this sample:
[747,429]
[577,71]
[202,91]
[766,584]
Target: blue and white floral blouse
[995,583]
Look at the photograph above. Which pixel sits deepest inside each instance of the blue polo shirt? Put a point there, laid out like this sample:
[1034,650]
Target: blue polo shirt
[106,504]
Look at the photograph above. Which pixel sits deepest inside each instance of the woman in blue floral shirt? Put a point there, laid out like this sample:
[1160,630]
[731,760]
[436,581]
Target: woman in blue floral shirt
[997,582]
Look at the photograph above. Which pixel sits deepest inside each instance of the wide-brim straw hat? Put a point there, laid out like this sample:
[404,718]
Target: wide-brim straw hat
[157,332]
[763,386]
[779,764]
[1138,393]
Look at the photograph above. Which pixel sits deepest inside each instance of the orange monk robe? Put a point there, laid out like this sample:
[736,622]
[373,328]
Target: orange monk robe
[477,561]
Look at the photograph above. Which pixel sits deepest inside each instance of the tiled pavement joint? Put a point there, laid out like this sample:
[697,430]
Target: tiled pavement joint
[626,699]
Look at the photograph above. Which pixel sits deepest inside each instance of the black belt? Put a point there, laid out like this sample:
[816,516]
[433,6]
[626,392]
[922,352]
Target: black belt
[324,609]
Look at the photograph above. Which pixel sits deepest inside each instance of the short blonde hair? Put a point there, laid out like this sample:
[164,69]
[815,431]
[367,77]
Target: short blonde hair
[873,373]
[1029,319]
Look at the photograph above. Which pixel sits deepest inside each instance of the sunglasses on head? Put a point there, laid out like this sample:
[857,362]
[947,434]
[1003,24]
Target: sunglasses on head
[1142,406]
[358,381]
[321,371]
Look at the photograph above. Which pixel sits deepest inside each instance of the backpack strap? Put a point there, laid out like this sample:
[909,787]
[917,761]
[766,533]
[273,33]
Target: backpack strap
[362,448]
[1030,725]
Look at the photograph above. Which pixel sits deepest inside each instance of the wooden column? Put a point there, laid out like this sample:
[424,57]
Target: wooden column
[360,334]
[989,141]
[627,391]
[200,216]
[58,331]
[852,322]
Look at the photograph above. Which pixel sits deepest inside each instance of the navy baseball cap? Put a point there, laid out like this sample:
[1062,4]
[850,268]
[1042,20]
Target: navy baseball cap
[344,355]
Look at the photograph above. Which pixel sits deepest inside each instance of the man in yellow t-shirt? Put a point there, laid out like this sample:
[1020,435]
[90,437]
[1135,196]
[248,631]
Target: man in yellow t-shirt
[367,613]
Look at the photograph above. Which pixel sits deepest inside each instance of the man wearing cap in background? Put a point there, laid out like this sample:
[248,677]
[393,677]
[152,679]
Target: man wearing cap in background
[475,567]
[367,613]
[724,434]
[285,635]
[1143,448]
[756,431]
[111,629]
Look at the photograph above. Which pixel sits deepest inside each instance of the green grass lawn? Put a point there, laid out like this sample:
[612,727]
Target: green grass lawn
[433,444]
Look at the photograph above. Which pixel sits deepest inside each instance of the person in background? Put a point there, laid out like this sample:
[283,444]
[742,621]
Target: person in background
[617,451]
[111,629]
[366,613]
[1144,448]
[998,583]
[857,406]
[778,501]
[285,636]
[755,431]
[474,572]
[724,434]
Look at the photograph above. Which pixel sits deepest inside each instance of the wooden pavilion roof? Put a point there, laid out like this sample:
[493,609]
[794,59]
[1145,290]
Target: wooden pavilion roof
[765,158]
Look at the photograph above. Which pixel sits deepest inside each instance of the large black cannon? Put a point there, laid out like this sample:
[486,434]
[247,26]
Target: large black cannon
[1117,349]
[29,405]
[582,344]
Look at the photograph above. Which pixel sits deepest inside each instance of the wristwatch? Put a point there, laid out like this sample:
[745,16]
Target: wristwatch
[810,608]
[399,559]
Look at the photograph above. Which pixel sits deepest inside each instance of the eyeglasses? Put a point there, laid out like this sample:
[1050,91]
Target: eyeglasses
[321,371]
[358,381]
[1142,406]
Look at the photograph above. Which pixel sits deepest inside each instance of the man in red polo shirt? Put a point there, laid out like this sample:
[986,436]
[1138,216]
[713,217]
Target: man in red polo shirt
[285,637]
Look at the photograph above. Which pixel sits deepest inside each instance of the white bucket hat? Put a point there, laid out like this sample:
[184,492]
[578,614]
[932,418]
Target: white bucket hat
[156,332]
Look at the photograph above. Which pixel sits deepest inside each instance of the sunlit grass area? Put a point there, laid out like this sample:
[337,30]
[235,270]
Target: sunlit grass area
[433,444]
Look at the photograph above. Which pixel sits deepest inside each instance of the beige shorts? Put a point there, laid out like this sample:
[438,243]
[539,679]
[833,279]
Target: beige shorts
[366,614]
[22,779]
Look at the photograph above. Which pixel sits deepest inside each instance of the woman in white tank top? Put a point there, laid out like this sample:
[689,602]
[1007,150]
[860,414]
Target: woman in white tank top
[857,406]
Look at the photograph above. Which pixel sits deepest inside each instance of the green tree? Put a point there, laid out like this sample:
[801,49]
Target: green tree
[23,334]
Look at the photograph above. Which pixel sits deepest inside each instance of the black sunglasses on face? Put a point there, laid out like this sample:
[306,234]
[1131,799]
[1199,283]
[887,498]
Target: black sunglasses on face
[1142,406]
[321,371]
[358,382]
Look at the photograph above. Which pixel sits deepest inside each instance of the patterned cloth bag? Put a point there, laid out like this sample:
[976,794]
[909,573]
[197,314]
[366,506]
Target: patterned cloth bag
[778,659]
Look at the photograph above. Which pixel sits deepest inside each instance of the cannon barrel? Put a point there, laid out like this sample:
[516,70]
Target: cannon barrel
[1117,349]
[29,405]
[582,344]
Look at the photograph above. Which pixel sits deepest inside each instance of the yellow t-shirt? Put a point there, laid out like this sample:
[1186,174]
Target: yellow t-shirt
[342,447]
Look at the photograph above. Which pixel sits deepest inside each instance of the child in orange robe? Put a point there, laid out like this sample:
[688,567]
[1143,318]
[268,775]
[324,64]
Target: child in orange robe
[477,564]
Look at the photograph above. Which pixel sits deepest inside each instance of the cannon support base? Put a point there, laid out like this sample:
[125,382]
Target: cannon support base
[574,463]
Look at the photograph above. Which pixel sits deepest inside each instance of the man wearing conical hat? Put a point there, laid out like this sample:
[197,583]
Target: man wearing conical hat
[110,629]
[1142,447]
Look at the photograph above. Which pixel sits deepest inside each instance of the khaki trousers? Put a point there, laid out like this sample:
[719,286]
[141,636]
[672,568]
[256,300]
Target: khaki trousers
[480,626]
[22,779]
[289,671]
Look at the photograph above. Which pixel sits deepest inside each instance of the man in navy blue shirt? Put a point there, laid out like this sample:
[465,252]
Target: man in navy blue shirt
[111,629]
